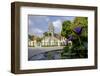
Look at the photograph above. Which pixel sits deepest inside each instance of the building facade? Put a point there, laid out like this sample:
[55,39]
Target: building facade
[50,40]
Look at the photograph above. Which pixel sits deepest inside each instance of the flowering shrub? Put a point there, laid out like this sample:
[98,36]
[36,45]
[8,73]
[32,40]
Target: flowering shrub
[78,30]
[78,48]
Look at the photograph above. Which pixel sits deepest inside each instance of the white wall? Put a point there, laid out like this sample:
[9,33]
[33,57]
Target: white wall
[5,33]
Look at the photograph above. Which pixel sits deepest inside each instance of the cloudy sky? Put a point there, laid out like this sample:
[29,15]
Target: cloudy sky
[37,25]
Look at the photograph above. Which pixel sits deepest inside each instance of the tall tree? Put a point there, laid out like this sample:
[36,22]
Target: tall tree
[66,28]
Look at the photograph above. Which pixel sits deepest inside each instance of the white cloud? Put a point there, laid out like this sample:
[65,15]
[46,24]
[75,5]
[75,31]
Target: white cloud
[58,25]
[36,31]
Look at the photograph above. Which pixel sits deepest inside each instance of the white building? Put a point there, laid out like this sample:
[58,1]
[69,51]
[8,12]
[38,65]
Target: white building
[48,41]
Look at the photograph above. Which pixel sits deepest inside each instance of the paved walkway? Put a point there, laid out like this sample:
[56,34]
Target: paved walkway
[36,50]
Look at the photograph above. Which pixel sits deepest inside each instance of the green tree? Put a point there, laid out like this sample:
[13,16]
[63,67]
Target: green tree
[45,33]
[31,37]
[83,21]
[38,39]
[66,30]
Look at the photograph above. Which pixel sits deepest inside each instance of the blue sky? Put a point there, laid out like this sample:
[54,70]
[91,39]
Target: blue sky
[37,25]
